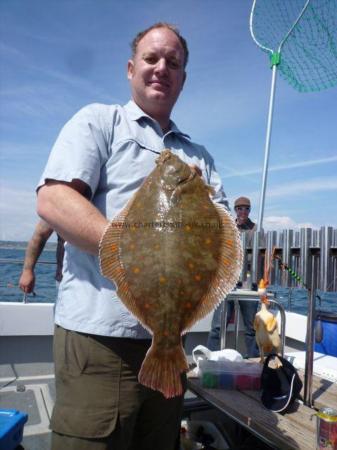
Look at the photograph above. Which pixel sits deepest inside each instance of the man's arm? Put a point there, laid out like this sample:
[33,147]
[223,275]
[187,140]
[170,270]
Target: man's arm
[72,216]
[35,246]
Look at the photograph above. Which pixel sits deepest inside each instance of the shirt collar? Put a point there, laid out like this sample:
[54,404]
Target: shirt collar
[135,113]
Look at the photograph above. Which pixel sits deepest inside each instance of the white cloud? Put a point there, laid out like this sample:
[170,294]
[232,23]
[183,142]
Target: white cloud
[296,165]
[318,184]
[284,223]
[18,214]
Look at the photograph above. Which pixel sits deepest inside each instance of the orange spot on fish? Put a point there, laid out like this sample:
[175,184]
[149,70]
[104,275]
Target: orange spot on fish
[187,228]
[191,265]
[114,247]
[229,242]
[165,333]
[136,270]
[132,246]
[157,247]
[188,305]
[208,241]
[197,277]
[162,279]
[147,306]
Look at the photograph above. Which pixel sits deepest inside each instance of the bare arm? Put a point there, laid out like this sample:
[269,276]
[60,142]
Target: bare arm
[35,246]
[72,216]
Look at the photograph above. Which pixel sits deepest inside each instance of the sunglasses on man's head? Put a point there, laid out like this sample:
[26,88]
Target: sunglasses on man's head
[242,208]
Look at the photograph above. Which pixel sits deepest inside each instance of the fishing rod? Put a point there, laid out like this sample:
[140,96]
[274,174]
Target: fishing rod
[283,266]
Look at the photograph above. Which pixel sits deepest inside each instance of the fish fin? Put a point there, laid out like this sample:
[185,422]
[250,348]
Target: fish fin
[210,190]
[162,368]
[229,267]
[109,257]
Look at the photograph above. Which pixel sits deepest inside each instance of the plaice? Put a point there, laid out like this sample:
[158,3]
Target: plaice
[173,255]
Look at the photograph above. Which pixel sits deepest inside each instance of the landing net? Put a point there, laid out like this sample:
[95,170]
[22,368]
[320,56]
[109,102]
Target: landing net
[301,38]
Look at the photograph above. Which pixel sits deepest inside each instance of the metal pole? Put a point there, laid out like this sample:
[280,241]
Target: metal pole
[267,147]
[309,355]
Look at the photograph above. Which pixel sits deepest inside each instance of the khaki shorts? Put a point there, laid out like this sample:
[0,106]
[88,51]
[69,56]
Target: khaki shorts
[99,403]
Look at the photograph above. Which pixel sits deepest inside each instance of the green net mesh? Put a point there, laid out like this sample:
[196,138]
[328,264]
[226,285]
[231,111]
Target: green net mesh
[308,57]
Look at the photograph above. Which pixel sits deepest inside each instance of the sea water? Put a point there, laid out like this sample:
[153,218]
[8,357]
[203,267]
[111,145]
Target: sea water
[11,263]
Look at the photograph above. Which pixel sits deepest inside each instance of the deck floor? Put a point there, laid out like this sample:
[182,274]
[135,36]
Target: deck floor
[35,395]
[30,387]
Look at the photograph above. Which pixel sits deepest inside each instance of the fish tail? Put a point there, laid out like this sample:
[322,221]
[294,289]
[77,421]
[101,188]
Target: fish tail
[161,370]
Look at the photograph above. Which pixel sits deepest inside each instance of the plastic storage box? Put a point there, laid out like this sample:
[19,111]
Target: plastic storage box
[242,375]
[11,428]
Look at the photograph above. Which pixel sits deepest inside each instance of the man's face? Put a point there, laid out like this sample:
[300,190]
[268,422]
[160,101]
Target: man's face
[157,72]
[242,213]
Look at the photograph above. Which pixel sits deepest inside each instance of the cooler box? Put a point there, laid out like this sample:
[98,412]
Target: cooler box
[11,428]
[243,375]
[328,344]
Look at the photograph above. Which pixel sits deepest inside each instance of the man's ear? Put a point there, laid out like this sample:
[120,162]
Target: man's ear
[130,69]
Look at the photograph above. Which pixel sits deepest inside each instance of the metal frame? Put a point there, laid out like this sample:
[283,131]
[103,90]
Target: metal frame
[250,296]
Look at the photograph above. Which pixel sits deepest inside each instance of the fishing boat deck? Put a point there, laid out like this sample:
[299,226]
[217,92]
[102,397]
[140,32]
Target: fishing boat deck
[294,430]
[30,387]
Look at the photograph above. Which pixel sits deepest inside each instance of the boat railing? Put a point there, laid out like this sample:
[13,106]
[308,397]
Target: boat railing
[309,253]
[306,258]
[25,296]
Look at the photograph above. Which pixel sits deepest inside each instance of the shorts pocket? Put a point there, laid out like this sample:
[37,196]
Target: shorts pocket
[70,352]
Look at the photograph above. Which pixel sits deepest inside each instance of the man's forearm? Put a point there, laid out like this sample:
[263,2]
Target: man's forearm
[72,216]
[33,251]
[36,245]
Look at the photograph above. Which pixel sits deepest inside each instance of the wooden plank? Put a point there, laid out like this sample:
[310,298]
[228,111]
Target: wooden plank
[324,392]
[291,431]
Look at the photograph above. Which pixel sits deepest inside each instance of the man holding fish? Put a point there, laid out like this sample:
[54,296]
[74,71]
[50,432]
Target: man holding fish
[99,161]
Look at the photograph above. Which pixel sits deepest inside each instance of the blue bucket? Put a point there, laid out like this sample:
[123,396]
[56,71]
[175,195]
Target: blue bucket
[326,333]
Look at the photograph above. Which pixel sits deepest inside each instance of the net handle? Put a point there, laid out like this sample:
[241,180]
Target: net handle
[286,36]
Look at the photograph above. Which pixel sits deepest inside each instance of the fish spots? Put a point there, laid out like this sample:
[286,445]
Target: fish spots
[188,305]
[191,265]
[188,228]
[156,247]
[208,241]
[114,248]
[136,270]
[162,279]
[229,242]
[197,277]
[132,247]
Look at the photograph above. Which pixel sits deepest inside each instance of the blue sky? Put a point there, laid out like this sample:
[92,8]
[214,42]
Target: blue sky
[57,56]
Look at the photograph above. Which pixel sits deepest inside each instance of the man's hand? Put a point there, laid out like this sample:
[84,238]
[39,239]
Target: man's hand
[196,169]
[27,281]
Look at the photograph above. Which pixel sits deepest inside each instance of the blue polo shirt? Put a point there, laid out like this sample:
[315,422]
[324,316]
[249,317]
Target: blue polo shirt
[111,148]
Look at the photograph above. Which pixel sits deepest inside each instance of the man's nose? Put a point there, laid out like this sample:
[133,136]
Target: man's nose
[161,66]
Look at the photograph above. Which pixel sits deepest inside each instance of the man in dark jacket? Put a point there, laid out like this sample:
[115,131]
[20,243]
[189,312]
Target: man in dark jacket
[242,209]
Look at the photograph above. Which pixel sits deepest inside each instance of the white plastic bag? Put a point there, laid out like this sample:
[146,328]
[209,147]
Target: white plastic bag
[201,353]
